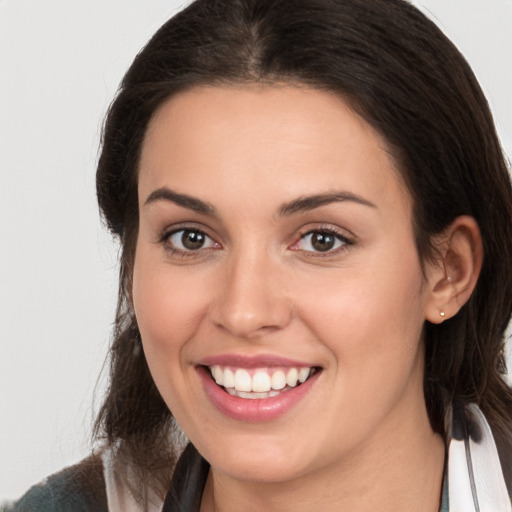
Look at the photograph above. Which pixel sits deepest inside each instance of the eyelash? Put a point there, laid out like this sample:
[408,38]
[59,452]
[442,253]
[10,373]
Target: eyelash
[329,231]
[165,240]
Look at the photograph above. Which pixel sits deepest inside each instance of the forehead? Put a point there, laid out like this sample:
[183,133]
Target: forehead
[273,140]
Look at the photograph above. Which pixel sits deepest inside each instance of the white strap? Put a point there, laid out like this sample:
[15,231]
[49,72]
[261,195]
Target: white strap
[475,477]
[119,498]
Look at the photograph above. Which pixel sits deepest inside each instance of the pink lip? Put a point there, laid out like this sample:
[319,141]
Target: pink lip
[259,361]
[254,410]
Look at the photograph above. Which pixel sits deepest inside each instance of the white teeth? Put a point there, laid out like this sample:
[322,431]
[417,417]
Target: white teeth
[244,394]
[278,380]
[242,380]
[217,374]
[292,376]
[304,374]
[229,378]
[252,395]
[264,383]
[261,381]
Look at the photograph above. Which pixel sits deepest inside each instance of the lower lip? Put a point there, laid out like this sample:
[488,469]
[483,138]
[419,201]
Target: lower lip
[254,409]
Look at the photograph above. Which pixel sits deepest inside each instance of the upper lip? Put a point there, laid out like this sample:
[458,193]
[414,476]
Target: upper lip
[254,361]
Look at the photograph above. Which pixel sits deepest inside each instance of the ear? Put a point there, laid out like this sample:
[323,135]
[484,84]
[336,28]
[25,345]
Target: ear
[453,277]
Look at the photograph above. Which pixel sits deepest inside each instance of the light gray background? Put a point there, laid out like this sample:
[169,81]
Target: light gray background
[60,63]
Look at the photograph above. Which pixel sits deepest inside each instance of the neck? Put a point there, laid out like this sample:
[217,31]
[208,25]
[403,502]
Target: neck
[375,478]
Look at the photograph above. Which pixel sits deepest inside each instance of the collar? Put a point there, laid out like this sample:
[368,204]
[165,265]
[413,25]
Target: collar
[188,481]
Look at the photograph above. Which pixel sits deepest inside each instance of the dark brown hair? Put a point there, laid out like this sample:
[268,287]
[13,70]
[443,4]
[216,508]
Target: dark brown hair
[404,77]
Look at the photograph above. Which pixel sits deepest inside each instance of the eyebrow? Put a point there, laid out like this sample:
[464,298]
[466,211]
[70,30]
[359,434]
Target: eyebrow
[184,200]
[301,204]
[306,203]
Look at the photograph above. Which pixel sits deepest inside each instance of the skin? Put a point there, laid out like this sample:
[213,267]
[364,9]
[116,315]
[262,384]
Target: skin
[361,436]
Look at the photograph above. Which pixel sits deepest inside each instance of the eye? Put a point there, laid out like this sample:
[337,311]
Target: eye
[187,240]
[321,241]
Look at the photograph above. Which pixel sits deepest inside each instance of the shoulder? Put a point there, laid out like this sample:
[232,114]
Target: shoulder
[78,488]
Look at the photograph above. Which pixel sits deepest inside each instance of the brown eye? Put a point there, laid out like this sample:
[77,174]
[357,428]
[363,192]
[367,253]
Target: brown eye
[192,239]
[186,240]
[321,241]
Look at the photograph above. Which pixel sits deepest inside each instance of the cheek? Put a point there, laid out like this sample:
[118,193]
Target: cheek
[371,323]
[370,318]
[169,311]
[168,308]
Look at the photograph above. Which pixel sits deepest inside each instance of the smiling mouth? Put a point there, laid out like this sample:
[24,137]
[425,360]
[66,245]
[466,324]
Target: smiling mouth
[260,383]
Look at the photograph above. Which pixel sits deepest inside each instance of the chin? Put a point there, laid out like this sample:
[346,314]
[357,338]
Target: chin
[258,469]
[259,459]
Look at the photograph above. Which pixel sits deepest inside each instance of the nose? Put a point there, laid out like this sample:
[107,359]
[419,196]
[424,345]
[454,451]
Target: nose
[251,300]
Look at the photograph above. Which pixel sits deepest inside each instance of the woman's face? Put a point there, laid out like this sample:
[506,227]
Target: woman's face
[276,245]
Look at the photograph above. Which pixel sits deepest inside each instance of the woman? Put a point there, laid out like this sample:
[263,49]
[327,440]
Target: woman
[314,213]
